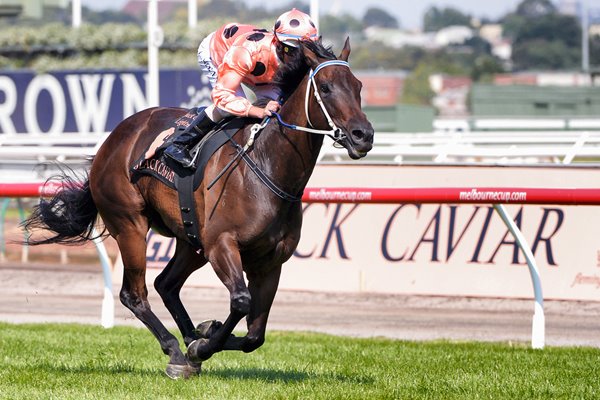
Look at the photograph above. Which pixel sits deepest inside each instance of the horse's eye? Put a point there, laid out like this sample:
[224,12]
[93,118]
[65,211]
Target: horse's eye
[324,88]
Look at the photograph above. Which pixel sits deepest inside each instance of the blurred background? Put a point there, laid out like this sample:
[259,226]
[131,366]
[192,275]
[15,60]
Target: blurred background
[418,60]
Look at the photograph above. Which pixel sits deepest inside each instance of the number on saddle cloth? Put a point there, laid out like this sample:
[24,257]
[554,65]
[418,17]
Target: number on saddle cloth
[185,122]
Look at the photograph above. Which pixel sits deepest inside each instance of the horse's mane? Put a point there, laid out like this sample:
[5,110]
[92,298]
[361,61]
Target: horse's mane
[290,74]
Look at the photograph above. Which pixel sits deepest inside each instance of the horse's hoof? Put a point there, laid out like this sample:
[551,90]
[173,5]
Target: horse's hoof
[176,371]
[208,328]
[197,350]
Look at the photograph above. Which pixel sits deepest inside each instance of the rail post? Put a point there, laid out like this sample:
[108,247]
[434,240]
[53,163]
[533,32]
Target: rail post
[538,326]
[3,210]
[108,302]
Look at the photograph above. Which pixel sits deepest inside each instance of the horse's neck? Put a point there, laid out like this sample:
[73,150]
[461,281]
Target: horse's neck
[291,154]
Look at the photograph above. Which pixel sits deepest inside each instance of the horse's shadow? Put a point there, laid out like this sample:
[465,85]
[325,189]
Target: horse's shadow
[262,374]
[95,369]
[285,376]
[249,374]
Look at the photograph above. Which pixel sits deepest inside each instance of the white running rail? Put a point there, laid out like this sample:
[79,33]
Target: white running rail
[29,157]
[22,154]
[496,147]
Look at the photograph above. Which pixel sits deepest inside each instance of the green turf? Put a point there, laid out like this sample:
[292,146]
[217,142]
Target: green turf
[51,361]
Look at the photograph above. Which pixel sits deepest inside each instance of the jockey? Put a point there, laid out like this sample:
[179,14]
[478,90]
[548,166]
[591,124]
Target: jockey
[236,54]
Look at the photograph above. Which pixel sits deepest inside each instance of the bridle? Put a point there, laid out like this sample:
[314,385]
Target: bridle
[335,132]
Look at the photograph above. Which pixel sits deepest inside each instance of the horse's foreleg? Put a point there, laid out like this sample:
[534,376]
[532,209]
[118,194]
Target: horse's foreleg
[226,260]
[134,296]
[262,289]
[169,283]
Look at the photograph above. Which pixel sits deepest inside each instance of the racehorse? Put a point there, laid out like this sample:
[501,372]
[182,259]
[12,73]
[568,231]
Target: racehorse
[247,226]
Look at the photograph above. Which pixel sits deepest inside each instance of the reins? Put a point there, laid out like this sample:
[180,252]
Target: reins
[242,152]
[335,134]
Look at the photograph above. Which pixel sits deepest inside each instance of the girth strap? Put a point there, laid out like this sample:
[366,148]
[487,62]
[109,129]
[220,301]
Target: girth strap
[187,207]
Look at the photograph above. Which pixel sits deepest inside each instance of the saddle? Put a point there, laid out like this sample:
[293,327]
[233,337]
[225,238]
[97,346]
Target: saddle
[184,180]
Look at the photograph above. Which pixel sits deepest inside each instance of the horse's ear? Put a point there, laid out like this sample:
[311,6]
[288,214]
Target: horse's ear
[346,50]
[310,56]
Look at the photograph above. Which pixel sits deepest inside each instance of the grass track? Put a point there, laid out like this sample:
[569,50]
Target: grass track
[59,361]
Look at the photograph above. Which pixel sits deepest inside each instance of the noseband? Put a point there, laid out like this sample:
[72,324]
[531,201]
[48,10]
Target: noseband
[335,133]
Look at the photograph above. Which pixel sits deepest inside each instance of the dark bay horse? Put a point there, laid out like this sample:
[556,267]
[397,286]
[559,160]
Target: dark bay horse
[245,227]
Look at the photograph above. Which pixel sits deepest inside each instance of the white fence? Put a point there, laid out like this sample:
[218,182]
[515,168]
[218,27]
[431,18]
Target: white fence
[515,123]
[29,157]
[496,147]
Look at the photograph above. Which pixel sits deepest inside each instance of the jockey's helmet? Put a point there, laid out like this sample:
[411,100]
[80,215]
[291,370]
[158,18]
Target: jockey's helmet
[294,25]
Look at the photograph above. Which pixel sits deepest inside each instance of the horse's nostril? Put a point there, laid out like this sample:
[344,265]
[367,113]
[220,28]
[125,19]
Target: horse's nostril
[358,134]
[363,135]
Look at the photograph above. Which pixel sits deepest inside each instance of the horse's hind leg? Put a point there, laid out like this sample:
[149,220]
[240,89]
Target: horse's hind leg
[170,281]
[134,295]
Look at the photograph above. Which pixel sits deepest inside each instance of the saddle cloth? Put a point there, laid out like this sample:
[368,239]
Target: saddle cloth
[152,161]
[184,180]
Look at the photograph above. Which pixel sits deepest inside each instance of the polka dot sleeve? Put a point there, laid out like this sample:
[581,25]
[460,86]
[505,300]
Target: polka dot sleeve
[237,59]
[226,100]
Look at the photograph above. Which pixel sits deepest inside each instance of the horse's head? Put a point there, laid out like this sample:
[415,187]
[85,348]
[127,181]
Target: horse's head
[333,99]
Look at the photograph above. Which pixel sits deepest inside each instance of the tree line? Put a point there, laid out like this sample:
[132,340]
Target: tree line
[542,39]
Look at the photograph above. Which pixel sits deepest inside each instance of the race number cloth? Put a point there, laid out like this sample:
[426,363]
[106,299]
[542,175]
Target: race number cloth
[184,180]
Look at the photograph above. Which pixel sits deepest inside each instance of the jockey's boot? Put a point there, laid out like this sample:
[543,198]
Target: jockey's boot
[179,149]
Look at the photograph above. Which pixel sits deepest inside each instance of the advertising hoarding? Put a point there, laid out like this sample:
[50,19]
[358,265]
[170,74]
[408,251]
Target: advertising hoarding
[89,101]
[438,249]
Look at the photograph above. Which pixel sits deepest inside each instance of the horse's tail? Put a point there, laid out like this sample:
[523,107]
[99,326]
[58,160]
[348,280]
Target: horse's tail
[70,214]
